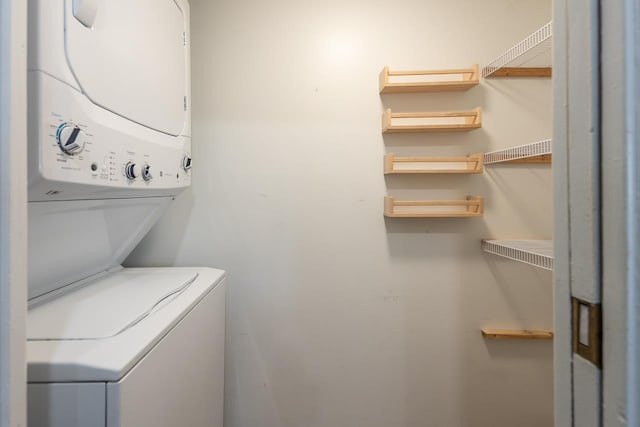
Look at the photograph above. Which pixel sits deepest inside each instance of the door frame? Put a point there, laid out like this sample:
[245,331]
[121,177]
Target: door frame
[618,33]
[13,212]
[621,218]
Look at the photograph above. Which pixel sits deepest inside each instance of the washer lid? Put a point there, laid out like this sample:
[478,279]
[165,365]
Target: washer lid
[106,308]
[133,59]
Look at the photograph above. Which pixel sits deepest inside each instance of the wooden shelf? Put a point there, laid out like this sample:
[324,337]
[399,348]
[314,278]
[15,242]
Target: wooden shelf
[472,206]
[543,158]
[522,72]
[419,165]
[517,334]
[529,58]
[535,152]
[538,253]
[417,81]
[449,121]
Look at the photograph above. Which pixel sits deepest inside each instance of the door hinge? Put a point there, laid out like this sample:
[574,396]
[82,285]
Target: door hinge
[587,330]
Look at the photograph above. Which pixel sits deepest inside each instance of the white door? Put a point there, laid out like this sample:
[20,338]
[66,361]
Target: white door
[597,182]
[620,58]
[577,181]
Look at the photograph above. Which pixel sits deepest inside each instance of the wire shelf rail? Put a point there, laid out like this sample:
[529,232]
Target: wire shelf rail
[538,253]
[534,149]
[537,38]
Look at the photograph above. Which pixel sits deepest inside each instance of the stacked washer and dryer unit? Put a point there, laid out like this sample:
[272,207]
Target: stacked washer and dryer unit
[109,149]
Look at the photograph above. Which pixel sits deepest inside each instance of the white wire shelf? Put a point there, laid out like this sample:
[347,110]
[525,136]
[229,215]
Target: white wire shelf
[538,253]
[529,58]
[535,152]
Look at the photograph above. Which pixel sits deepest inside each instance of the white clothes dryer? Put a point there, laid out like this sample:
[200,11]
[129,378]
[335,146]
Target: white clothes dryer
[109,149]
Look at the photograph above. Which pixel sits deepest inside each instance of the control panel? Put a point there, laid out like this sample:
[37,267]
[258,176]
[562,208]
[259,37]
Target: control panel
[80,156]
[89,146]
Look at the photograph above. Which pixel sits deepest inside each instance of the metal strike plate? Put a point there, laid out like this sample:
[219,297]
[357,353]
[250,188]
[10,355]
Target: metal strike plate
[587,330]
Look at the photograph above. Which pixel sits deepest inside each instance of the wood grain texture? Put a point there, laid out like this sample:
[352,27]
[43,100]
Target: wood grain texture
[468,78]
[474,207]
[517,334]
[473,120]
[472,164]
[543,158]
[522,72]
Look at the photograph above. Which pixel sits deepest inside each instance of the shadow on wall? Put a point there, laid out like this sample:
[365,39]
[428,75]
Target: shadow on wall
[174,224]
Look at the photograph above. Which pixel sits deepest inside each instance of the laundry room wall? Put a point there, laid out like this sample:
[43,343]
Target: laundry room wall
[336,315]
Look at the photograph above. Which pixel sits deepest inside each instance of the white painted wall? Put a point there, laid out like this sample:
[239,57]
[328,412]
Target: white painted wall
[339,317]
[13,213]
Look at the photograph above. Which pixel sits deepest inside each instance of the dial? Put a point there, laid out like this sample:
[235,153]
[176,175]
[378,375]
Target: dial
[186,163]
[131,171]
[70,139]
[146,172]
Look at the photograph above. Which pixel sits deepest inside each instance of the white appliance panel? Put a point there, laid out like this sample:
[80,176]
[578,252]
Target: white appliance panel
[103,309]
[110,144]
[165,390]
[110,359]
[46,41]
[66,405]
[133,59]
[171,370]
[70,241]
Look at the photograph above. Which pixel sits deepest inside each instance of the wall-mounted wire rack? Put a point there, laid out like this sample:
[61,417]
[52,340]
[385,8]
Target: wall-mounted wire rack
[416,81]
[441,121]
[517,334]
[418,165]
[472,206]
[535,152]
[529,58]
[538,253]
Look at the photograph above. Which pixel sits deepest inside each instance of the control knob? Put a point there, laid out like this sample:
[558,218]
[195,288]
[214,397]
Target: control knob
[186,163]
[70,139]
[146,172]
[131,171]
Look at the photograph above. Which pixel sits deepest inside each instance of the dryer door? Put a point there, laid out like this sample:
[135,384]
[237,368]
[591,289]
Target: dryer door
[131,57]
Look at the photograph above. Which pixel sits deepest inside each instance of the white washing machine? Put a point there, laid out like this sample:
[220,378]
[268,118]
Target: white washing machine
[109,149]
[137,348]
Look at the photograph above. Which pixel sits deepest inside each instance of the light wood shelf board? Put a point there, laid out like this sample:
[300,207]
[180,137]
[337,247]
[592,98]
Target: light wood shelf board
[517,334]
[522,72]
[471,207]
[544,158]
[441,121]
[466,79]
[471,164]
